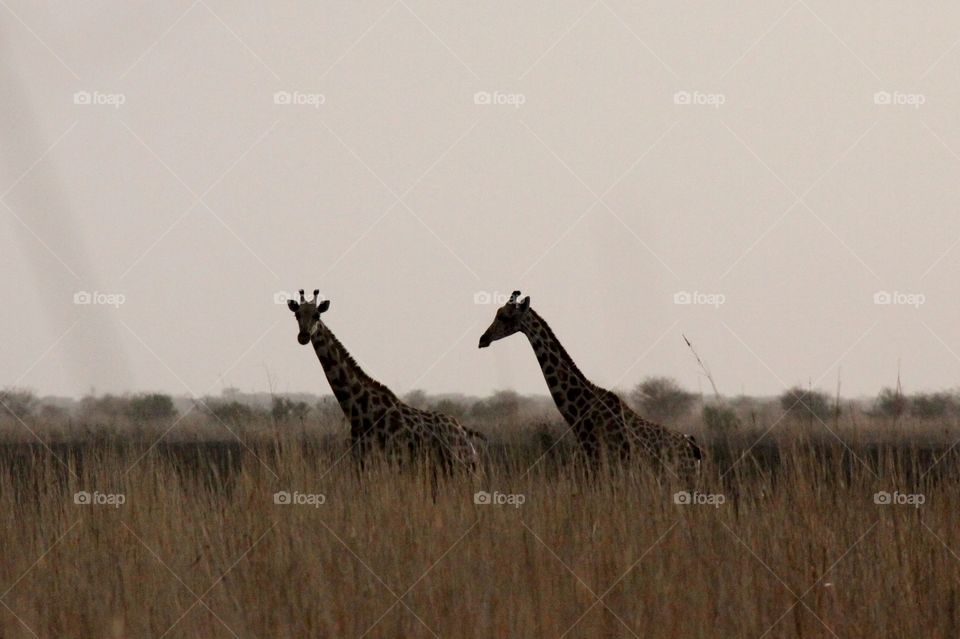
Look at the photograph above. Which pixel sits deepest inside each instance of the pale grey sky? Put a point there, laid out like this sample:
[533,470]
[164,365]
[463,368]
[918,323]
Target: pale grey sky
[775,163]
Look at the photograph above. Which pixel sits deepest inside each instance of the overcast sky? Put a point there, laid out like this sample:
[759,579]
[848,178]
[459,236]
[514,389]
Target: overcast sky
[782,166]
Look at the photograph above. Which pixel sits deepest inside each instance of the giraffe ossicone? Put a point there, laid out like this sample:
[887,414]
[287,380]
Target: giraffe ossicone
[601,420]
[378,418]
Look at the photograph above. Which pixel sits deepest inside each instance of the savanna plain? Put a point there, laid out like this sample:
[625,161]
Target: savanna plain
[227,521]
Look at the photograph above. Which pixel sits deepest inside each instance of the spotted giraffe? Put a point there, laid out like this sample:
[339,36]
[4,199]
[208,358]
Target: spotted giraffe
[602,422]
[378,419]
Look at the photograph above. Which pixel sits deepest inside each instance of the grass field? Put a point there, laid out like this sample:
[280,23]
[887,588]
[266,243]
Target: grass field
[783,539]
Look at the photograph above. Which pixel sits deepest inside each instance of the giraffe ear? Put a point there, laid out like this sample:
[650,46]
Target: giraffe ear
[525,303]
[293,306]
[323,306]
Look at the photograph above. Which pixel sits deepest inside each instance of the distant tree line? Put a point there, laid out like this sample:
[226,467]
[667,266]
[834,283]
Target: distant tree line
[659,399]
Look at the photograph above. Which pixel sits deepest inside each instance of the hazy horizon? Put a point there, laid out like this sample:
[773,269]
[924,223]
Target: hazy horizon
[783,191]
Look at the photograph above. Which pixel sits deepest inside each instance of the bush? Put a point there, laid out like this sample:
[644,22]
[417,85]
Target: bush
[932,406]
[20,403]
[232,411]
[661,399]
[284,408]
[890,403]
[451,407]
[501,405]
[416,398]
[804,402]
[720,420]
[151,407]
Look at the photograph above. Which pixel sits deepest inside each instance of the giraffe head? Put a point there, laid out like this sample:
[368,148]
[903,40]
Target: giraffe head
[308,315]
[507,321]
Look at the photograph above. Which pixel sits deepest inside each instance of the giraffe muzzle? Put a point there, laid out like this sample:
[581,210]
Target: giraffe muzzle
[484,341]
[303,338]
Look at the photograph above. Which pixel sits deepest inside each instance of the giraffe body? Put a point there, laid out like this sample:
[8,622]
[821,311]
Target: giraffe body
[605,426]
[379,420]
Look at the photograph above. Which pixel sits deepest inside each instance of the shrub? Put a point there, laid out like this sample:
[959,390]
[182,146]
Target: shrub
[501,405]
[931,406]
[805,402]
[232,411]
[890,403]
[20,403]
[151,407]
[416,398]
[284,408]
[661,399]
[720,419]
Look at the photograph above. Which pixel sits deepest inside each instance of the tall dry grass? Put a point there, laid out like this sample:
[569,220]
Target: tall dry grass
[798,548]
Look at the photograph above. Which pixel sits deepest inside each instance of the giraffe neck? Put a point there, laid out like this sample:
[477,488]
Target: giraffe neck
[351,386]
[570,389]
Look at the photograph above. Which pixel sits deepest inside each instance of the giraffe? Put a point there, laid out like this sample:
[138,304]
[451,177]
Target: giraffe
[601,421]
[377,416]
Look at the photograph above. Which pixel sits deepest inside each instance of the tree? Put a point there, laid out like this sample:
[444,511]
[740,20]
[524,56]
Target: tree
[890,403]
[20,403]
[231,411]
[501,405]
[283,408]
[932,406]
[805,402]
[151,407]
[661,399]
[720,420]
[416,398]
